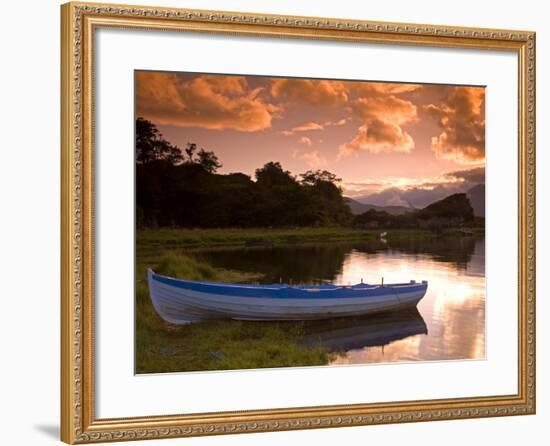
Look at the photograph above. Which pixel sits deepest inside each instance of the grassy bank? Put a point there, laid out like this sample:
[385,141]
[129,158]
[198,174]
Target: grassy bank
[238,236]
[214,345]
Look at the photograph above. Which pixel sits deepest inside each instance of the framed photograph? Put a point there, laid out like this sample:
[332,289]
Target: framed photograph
[275,223]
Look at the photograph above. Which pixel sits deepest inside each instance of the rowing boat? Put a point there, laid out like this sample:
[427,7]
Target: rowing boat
[181,301]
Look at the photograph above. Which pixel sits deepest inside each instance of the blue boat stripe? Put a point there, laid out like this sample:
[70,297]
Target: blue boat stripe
[287,292]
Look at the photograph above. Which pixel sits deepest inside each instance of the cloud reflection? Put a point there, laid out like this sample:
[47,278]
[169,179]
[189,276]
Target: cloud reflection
[453,308]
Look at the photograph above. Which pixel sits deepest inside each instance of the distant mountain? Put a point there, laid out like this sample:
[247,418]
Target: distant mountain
[359,208]
[453,206]
[452,211]
[476,195]
[411,199]
[416,198]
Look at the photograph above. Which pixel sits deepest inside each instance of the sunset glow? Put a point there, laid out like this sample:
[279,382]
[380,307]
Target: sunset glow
[392,143]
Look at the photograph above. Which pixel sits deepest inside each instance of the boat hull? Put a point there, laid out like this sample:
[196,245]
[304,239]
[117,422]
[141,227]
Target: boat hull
[182,302]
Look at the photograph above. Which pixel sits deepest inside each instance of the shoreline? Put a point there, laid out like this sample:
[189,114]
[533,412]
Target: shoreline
[199,238]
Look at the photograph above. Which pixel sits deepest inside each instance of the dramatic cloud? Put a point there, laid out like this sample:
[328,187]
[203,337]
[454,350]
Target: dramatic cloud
[213,102]
[384,88]
[312,92]
[349,116]
[313,159]
[461,116]
[308,126]
[336,123]
[383,118]
[330,93]
[378,136]
[475,175]
[389,108]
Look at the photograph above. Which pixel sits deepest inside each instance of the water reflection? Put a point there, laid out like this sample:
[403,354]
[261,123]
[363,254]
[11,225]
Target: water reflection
[449,323]
[370,331]
[453,308]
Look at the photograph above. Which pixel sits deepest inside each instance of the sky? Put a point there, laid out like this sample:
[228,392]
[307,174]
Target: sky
[390,143]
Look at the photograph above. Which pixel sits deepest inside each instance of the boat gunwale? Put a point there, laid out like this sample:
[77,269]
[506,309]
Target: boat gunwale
[280,291]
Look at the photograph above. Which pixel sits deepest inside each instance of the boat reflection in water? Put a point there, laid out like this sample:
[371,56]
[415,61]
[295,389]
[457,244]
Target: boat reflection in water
[373,331]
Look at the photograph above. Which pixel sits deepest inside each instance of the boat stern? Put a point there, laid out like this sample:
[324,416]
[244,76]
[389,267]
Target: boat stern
[165,305]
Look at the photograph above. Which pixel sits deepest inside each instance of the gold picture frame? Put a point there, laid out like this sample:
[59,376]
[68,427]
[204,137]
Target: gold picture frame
[78,24]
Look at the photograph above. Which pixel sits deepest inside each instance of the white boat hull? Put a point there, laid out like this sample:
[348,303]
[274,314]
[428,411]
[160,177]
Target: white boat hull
[181,306]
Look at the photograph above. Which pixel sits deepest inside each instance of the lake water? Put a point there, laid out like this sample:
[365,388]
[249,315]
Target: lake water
[449,322]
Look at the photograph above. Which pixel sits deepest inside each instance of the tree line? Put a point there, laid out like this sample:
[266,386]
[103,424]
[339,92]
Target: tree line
[181,188]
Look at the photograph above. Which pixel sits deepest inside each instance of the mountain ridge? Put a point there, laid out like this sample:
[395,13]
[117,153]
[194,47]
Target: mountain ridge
[358,208]
[475,194]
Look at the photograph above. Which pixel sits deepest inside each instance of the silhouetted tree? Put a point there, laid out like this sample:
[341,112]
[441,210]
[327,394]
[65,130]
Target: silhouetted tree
[272,174]
[151,146]
[208,160]
[313,177]
[325,198]
[190,150]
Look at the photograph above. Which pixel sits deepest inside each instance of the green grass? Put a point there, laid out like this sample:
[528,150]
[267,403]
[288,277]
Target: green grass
[458,232]
[185,267]
[214,345]
[199,238]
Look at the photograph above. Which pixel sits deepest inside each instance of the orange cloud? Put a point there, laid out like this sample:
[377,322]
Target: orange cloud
[461,116]
[336,123]
[388,108]
[340,122]
[383,118]
[329,92]
[384,88]
[313,159]
[475,175]
[306,127]
[312,92]
[214,102]
[305,140]
[378,136]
